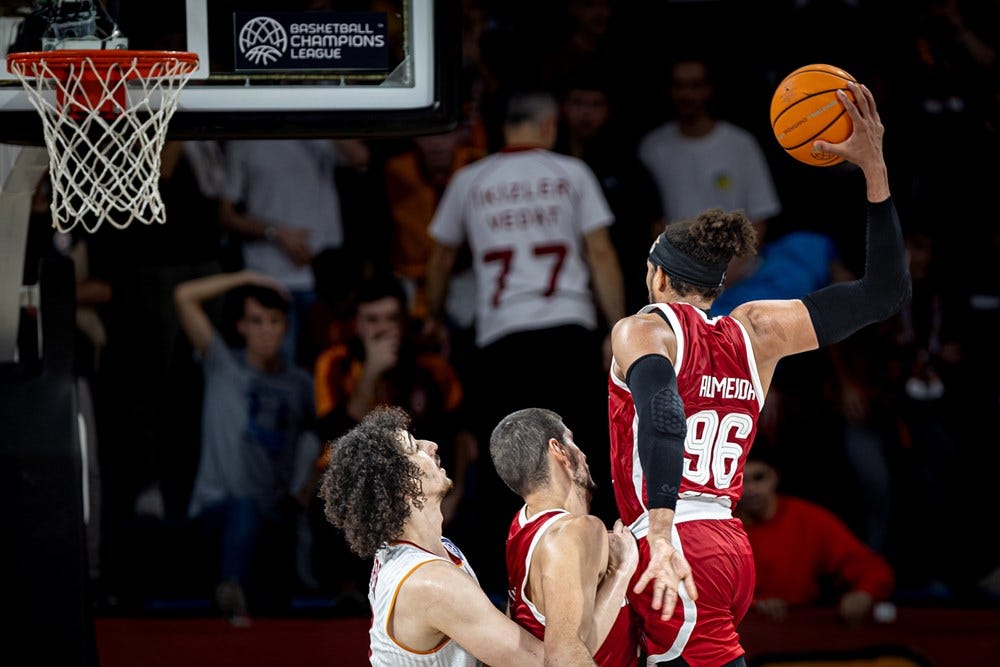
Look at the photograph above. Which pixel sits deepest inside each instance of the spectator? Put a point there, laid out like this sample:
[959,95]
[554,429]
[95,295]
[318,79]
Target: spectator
[537,225]
[801,549]
[258,411]
[700,161]
[281,199]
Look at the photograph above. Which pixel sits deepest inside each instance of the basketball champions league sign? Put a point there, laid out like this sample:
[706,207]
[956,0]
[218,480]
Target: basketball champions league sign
[282,41]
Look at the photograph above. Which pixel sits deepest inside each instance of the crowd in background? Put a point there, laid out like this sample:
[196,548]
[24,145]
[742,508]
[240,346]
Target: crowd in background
[885,430]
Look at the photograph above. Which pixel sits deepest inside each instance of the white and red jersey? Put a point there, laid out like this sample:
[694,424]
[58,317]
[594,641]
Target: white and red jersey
[524,213]
[394,563]
[620,647]
[718,382]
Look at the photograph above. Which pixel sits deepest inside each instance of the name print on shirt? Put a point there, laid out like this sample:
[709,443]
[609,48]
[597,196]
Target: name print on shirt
[726,387]
[522,204]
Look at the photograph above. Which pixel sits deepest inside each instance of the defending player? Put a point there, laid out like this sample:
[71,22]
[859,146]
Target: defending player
[560,586]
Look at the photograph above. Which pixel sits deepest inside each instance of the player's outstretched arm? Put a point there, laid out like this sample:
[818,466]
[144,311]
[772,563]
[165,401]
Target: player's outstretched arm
[442,599]
[839,310]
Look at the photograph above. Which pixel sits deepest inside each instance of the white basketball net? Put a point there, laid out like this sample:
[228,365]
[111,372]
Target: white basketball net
[104,144]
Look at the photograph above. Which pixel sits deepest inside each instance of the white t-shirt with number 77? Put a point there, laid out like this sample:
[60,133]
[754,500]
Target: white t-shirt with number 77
[524,213]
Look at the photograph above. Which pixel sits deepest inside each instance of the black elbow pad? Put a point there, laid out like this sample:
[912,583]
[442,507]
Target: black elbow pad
[661,427]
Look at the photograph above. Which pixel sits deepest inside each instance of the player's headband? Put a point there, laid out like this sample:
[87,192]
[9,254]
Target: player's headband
[684,267]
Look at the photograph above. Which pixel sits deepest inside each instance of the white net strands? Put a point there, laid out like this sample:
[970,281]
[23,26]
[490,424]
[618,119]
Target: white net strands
[104,121]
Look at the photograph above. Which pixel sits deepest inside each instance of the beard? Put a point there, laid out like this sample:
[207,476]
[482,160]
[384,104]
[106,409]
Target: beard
[585,482]
[582,479]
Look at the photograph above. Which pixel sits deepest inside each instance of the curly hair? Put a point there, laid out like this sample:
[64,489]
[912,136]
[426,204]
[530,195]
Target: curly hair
[714,236]
[370,483]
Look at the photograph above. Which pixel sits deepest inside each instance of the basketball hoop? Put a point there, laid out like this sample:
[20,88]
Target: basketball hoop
[104,118]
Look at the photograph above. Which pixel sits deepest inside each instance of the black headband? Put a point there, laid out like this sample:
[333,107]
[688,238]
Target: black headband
[684,267]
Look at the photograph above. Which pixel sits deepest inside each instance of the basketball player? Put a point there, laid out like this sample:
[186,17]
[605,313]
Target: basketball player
[557,553]
[537,224]
[686,391]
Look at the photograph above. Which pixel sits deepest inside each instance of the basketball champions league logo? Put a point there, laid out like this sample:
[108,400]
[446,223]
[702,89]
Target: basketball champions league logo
[263,41]
[315,41]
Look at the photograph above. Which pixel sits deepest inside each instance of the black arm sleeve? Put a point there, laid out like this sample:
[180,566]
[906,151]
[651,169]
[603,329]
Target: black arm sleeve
[661,427]
[840,309]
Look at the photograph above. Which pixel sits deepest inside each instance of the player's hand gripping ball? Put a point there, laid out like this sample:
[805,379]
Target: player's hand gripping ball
[805,108]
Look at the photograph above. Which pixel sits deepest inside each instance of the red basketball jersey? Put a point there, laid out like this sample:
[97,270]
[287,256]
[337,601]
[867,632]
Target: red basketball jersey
[718,382]
[717,379]
[620,647]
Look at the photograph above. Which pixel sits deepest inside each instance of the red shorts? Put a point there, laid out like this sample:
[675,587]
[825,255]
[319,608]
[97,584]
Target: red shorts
[703,632]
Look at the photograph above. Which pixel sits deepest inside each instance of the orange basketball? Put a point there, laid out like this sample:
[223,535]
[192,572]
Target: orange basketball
[805,108]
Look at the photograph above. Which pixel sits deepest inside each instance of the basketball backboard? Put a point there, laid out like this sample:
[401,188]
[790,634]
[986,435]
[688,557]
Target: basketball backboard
[281,68]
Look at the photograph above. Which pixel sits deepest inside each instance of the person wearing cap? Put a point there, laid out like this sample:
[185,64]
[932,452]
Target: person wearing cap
[685,394]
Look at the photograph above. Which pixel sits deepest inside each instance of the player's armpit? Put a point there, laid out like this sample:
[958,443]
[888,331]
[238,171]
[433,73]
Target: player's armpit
[777,328]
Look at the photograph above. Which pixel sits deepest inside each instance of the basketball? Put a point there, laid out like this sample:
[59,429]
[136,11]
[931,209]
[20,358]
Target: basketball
[805,108]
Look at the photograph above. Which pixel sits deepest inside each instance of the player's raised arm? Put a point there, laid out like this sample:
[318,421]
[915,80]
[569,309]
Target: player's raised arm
[833,313]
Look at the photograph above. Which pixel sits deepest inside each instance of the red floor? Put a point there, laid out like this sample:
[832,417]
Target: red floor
[210,642]
[945,637]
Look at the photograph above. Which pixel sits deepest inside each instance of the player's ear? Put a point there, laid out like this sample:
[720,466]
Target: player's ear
[559,450]
[660,279]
